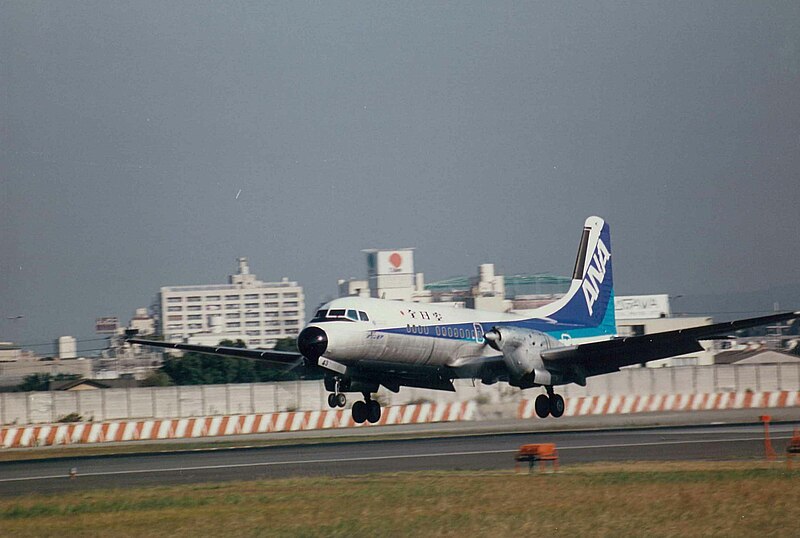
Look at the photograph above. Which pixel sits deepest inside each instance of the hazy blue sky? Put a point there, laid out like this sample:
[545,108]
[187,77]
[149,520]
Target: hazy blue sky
[474,131]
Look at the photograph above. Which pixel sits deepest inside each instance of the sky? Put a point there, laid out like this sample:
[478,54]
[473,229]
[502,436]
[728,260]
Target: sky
[147,144]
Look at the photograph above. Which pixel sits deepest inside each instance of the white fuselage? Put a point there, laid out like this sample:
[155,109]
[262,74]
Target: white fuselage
[418,334]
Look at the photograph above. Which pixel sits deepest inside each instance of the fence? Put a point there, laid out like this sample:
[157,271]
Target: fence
[254,398]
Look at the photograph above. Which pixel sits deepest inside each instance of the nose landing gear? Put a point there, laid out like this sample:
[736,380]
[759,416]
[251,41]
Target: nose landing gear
[336,398]
[368,410]
[549,404]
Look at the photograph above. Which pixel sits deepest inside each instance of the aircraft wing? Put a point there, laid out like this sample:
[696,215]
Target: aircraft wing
[289,359]
[610,355]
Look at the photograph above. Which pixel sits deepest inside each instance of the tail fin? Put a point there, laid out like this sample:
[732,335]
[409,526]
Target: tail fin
[589,303]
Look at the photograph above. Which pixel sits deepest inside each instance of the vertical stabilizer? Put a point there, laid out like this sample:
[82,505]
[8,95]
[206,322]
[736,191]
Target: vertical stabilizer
[590,300]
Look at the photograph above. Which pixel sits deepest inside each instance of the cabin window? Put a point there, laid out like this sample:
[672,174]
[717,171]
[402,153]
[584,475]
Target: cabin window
[437,331]
[461,333]
[408,328]
[450,331]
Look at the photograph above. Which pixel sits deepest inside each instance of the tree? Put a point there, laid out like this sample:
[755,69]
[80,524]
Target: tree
[34,382]
[286,344]
[157,378]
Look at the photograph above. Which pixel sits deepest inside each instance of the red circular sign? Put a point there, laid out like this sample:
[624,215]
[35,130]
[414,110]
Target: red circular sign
[395,259]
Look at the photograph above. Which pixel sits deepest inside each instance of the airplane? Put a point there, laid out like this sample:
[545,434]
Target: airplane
[362,344]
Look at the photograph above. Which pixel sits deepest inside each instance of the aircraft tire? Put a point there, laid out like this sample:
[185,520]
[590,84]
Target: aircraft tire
[360,412]
[332,400]
[341,399]
[373,411]
[556,405]
[542,406]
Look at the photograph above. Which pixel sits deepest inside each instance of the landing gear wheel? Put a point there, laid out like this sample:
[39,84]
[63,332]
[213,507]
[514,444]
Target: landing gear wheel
[341,399]
[373,411]
[542,406]
[360,412]
[332,400]
[556,405]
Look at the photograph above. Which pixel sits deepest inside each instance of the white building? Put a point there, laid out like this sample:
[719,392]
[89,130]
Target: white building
[258,312]
[67,347]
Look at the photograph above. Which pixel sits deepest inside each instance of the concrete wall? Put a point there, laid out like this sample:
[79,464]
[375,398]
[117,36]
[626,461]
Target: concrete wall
[206,400]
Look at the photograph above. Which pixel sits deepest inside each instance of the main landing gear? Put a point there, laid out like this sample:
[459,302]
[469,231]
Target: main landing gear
[368,410]
[549,404]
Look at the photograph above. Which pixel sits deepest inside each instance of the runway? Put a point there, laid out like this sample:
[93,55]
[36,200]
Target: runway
[469,452]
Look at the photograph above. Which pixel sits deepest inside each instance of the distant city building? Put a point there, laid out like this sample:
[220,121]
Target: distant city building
[143,322]
[260,313]
[67,347]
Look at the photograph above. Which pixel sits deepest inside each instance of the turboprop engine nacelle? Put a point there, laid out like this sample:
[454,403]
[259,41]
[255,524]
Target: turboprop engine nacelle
[522,353]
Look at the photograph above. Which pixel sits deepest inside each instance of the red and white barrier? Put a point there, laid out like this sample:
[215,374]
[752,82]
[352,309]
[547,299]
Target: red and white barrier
[611,405]
[211,426]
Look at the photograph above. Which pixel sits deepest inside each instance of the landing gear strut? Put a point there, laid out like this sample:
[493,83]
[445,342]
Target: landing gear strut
[368,410]
[549,404]
[336,398]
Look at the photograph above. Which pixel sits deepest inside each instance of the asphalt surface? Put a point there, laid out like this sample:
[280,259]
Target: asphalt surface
[490,451]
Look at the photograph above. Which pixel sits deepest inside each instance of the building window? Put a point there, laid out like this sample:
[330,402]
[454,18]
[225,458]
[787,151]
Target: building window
[290,303]
[174,326]
[254,342]
[212,298]
[251,315]
[194,299]
[195,326]
[291,331]
[290,322]
[232,315]
[293,312]
[195,316]
[194,308]
[272,331]
[251,305]
[272,323]
[231,297]
[213,307]
[233,324]
[251,296]
[231,306]
[290,295]
[174,299]
[270,296]
[253,333]
[174,308]
[175,318]
[270,305]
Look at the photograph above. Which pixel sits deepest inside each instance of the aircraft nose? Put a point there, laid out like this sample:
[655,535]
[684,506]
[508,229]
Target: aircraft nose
[312,343]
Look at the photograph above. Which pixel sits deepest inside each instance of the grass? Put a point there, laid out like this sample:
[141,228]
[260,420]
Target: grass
[655,499]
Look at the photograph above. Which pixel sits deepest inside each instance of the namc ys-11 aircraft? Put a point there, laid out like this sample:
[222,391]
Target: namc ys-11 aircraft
[363,343]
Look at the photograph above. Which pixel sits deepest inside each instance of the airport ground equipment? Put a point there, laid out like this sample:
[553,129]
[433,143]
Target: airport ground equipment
[541,452]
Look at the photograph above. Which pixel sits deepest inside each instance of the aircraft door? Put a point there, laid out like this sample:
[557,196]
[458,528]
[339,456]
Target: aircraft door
[478,332]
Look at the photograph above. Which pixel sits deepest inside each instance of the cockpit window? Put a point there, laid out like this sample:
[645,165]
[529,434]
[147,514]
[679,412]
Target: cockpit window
[352,314]
[319,315]
[336,313]
[363,316]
